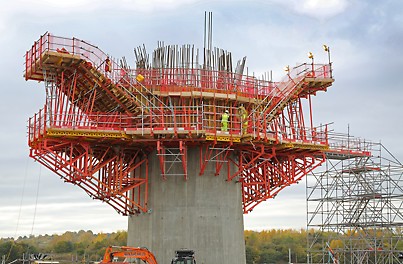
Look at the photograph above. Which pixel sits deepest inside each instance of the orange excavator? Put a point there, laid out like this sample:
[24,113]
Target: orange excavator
[121,254]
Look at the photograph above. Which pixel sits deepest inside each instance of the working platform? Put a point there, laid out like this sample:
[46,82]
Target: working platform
[171,102]
[102,119]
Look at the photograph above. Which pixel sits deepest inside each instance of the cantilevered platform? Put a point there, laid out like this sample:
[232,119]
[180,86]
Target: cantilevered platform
[139,139]
[94,103]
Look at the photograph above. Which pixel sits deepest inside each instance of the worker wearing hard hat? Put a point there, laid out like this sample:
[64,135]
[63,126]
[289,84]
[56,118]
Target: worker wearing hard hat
[224,121]
[108,65]
[243,114]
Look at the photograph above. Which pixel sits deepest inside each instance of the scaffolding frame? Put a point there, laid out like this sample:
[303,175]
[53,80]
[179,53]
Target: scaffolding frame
[102,112]
[355,208]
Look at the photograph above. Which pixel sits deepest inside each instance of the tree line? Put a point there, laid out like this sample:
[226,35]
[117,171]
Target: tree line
[271,246]
[82,246]
[268,246]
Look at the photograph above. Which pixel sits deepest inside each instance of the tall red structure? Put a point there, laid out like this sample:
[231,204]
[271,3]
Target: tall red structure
[148,141]
[101,120]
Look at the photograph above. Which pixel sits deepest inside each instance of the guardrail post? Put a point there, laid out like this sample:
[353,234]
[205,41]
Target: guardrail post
[73,45]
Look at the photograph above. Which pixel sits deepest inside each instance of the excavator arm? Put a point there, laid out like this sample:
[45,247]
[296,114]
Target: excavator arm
[112,252]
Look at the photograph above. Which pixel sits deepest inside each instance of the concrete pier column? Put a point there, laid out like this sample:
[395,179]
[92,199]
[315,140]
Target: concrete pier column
[203,213]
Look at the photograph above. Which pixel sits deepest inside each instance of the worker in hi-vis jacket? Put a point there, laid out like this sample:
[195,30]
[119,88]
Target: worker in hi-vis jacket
[243,114]
[224,121]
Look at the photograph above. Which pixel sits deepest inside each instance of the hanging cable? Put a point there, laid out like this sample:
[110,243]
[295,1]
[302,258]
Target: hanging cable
[22,196]
[20,209]
[36,200]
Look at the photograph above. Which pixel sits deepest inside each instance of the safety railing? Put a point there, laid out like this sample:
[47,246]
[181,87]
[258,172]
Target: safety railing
[213,119]
[174,119]
[287,92]
[344,143]
[166,79]
[201,80]
[321,71]
[73,46]
[181,118]
[281,133]
[198,79]
[37,125]
[221,120]
[43,120]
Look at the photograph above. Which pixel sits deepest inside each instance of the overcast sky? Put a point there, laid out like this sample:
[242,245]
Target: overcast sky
[366,41]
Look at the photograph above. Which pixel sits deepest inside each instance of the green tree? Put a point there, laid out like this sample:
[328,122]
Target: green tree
[63,247]
[14,250]
[252,255]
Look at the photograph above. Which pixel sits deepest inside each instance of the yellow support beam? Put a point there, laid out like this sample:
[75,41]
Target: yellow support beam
[301,145]
[56,132]
[223,138]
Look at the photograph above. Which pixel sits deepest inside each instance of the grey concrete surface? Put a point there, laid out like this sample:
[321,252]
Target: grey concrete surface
[203,213]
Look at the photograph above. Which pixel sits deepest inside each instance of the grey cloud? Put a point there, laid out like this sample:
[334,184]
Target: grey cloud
[365,40]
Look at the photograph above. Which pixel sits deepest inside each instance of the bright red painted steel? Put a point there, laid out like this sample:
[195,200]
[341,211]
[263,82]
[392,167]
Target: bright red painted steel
[167,79]
[100,123]
[118,177]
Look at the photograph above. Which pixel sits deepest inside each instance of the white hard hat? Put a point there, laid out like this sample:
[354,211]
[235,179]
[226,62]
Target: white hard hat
[226,111]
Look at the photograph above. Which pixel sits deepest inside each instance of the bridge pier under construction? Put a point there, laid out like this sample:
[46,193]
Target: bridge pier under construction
[184,144]
[203,213]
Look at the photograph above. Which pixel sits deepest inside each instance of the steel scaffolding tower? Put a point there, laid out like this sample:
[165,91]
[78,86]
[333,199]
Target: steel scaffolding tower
[355,208]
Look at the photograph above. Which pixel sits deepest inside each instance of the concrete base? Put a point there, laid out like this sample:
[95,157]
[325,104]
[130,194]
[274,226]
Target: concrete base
[203,213]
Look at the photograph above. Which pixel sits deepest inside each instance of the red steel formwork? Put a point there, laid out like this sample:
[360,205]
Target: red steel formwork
[101,121]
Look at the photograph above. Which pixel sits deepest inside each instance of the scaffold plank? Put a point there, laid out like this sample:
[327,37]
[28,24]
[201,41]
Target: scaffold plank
[61,132]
